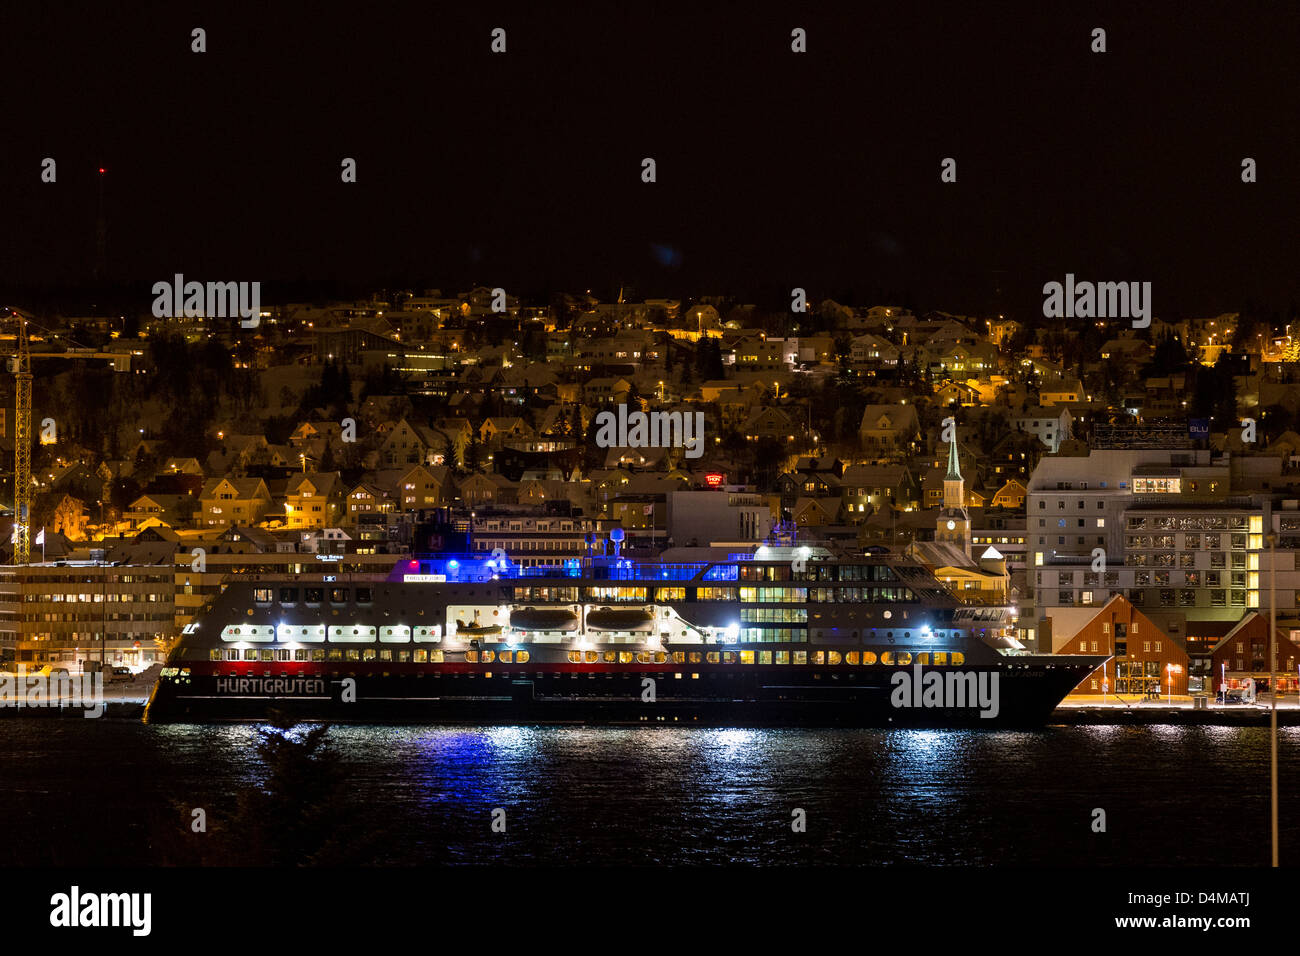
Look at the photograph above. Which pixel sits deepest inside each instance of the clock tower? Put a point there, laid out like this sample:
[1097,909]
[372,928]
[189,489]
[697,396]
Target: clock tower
[953,524]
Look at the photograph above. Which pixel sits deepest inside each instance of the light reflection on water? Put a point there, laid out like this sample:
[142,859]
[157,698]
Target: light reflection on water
[693,795]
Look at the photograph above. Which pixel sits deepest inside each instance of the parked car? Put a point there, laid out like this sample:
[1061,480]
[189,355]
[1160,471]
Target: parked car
[121,674]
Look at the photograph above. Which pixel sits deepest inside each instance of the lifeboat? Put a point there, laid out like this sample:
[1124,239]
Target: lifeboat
[476,630]
[544,619]
[619,619]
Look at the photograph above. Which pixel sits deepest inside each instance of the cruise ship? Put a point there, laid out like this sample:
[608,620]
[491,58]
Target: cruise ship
[773,635]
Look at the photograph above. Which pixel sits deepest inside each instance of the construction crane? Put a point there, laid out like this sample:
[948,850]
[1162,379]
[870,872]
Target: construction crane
[22,369]
[22,446]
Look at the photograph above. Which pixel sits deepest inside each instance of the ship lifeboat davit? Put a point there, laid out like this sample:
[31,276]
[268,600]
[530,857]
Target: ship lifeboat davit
[619,619]
[544,619]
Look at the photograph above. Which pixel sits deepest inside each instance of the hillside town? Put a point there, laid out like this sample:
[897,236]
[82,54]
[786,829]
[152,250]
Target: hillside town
[1127,490]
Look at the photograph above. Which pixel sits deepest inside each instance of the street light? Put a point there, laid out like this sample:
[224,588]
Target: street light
[1272,677]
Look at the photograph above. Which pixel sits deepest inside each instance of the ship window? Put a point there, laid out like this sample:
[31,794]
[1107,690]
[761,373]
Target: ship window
[819,657]
[679,657]
[313,595]
[852,657]
[591,656]
[368,654]
[904,657]
[887,657]
[575,657]
[282,654]
[783,657]
[625,657]
[365,595]
[352,654]
[696,657]
[661,657]
[250,655]
[386,655]
[801,657]
[261,595]
[232,655]
[643,657]
[958,657]
[471,657]
[288,595]
[746,657]
[868,657]
[335,654]
[923,659]
[833,657]
[611,657]
[728,657]
[318,653]
[712,657]
[338,595]
[403,656]
[215,654]
[506,657]
[941,657]
[301,654]
[520,658]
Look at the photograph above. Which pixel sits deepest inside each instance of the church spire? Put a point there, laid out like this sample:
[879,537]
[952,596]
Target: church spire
[954,472]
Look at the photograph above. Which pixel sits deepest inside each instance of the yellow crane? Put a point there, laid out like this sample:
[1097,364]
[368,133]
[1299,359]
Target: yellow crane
[22,446]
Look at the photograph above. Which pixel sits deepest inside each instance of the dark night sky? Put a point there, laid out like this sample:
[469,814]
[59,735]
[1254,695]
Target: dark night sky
[775,170]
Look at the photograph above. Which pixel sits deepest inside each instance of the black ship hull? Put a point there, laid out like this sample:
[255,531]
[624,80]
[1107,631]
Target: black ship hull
[999,696]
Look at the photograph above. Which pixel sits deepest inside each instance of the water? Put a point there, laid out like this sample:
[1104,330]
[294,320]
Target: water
[91,792]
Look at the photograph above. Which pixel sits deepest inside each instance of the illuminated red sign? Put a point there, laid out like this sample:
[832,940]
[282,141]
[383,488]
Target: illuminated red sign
[713,479]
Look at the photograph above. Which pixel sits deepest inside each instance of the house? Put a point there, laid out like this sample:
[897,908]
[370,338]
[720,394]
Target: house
[889,432]
[495,432]
[420,487]
[959,393]
[1147,661]
[769,422]
[171,511]
[313,500]
[873,350]
[368,498]
[1011,495]
[407,444]
[1051,426]
[227,501]
[606,391]
[863,488]
[182,466]
[1242,654]
[814,512]
[1061,391]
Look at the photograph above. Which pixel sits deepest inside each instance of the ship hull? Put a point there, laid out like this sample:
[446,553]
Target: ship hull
[999,696]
